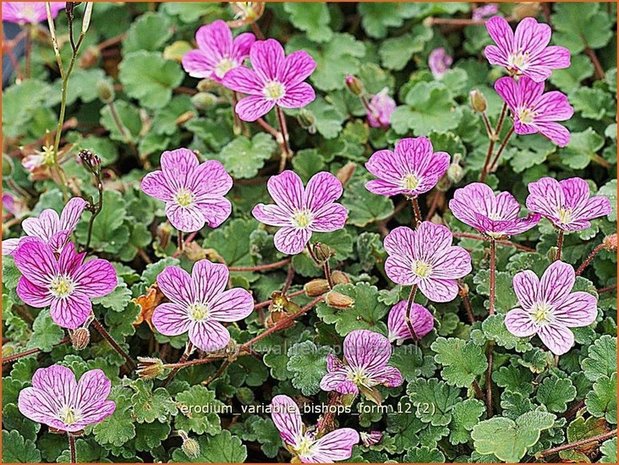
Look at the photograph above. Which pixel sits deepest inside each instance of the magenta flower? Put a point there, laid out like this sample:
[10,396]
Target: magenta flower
[526,52]
[13,205]
[198,303]
[28,12]
[382,107]
[485,11]
[217,51]
[548,308]
[53,229]
[193,192]
[306,448]
[426,258]
[302,211]
[439,62]
[371,438]
[496,216]
[413,168]
[275,79]
[420,319]
[366,355]
[535,111]
[57,400]
[65,284]
[567,203]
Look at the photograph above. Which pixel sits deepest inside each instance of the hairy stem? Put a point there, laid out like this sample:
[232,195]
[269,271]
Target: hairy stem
[589,259]
[72,450]
[96,211]
[179,364]
[416,212]
[492,276]
[26,353]
[266,267]
[286,153]
[495,161]
[490,356]
[108,337]
[493,138]
[407,314]
[573,445]
[559,245]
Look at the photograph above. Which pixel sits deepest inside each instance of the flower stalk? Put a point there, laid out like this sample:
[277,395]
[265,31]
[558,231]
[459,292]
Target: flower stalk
[108,337]
[72,451]
[188,350]
[286,152]
[492,276]
[560,236]
[493,136]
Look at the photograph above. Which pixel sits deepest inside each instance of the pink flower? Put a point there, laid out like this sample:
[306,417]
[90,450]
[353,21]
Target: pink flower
[65,284]
[193,192]
[371,438]
[366,355]
[549,309]
[336,445]
[439,62]
[53,229]
[412,169]
[217,51]
[526,52]
[275,79]
[301,211]
[198,303]
[382,106]
[496,216]
[13,205]
[57,400]
[566,203]
[426,258]
[533,111]
[28,12]
[485,11]
[420,319]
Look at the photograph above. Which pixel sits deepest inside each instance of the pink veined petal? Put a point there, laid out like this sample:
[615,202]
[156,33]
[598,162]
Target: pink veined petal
[433,171]
[209,336]
[292,241]
[552,57]
[92,389]
[421,320]
[9,246]
[336,445]
[578,309]
[506,207]
[520,323]
[400,241]
[171,319]
[267,58]
[187,219]
[387,376]
[520,225]
[537,72]
[500,31]
[556,283]
[596,207]
[331,217]
[96,413]
[297,96]
[558,339]
[386,188]
[338,381]
[210,178]
[215,39]
[553,106]
[57,380]
[473,198]
[69,260]
[215,210]
[399,270]
[44,226]
[430,239]
[156,185]
[287,419]
[496,56]
[287,190]
[231,305]
[526,286]
[509,91]
[71,311]
[575,191]
[253,107]
[33,295]
[37,405]
[176,284]
[321,189]
[453,263]
[199,64]
[366,349]
[531,36]
[242,45]
[96,278]
[273,215]
[545,197]
[208,280]
[439,290]
[58,240]
[178,167]
[72,213]
[413,153]
[297,67]
[384,165]
[36,261]
[334,363]
[530,90]
[244,80]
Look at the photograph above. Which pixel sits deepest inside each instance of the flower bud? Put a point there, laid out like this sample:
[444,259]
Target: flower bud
[478,101]
[338,300]
[204,100]
[316,287]
[163,234]
[346,172]
[190,446]
[552,253]
[206,84]
[463,290]
[150,368]
[323,252]
[455,172]
[525,10]
[105,89]
[307,120]
[80,338]
[339,277]
[91,161]
[354,84]
[610,242]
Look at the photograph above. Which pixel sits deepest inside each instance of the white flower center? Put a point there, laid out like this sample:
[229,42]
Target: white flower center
[305,446]
[358,376]
[541,313]
[61,286]
[183,197]
[422,269]
[68,415]
[410,182]
[518,61]
[302,218]
[198,311]
[526,115]
[225,65]
[274,90]
[565,215]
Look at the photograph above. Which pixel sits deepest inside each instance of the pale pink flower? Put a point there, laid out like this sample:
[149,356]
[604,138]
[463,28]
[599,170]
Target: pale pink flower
[420,319]
[525,52]
[493,215]
[484,11]
[382,107]
[371,438]
[199,303]
[426,258]
[57,400]
[548,308]
[28,12]
[306,448]
[192,191]
[439,62]
[567,203]
[275,79]
[218,52]
[535,111]
[302,211]
[13,205]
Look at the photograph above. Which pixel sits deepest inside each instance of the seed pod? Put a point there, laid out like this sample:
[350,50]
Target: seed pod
[323,252]
[149,368]
[80,338]
[316,287]
[106,91]
[610,242]
[552,253]
[338,300]
[307,120]
[455,172]
[478,101]
[339,277]
[190,446]
[354,84]
[204,100]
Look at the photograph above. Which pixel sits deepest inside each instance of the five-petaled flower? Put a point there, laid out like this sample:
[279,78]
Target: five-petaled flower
[420,322]
[426,258]
[57,400]
[29,12]
[413,168]
[218,52]
[49,227]
[303,444]
[198,303]
[366,355]
[548,308]
[193,192]
[535,111]
[525,52]
[495,216]
[567,203]
[65,284]
[275,79]
[381,108]
[301,211]
[439,62]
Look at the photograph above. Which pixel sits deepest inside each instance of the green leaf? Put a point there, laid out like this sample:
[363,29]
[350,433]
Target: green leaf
[108,232]
[376,18]
[329,119]
[222,448]
[462,361]
[363,206]
[150,435]
[128,116]
[424,454]
[46,334]
[583,147]
[191,12]
[609,190]
[16,449]
[602,400]
[150,405]
[569,79]
[232,242]
[609,451]
[602,358]
[149,32]
[243,157]
[308,364]
[117,300]
[495,330]
[198,411]
[581,429]
[581,25]
[465,415]
[396,52]
[509,440]
[555,393]
[593,103]
[19,103]
[150,78]
[312,18]
[117,429]
[434,401]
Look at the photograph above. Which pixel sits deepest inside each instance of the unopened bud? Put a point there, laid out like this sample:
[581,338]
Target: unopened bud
[455,172]
[552,253]
[80,338]
[323,252]
[90,160]
[338,300]
[190,446]
[204,100]
[206,84]
[105,89]
[478,101]
[346,172]
[149,368]
[463,290]
[428,22]
[525,10]
[339,277]
[316,287]
[610,242]
[8,350]
[354,84]
[307,120]
[163,234]
[194,252]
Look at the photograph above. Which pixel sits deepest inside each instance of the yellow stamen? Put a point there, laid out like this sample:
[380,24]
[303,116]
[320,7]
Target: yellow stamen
[274,90]
[198,311]
[61,286]
[183,197]
[422,269]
